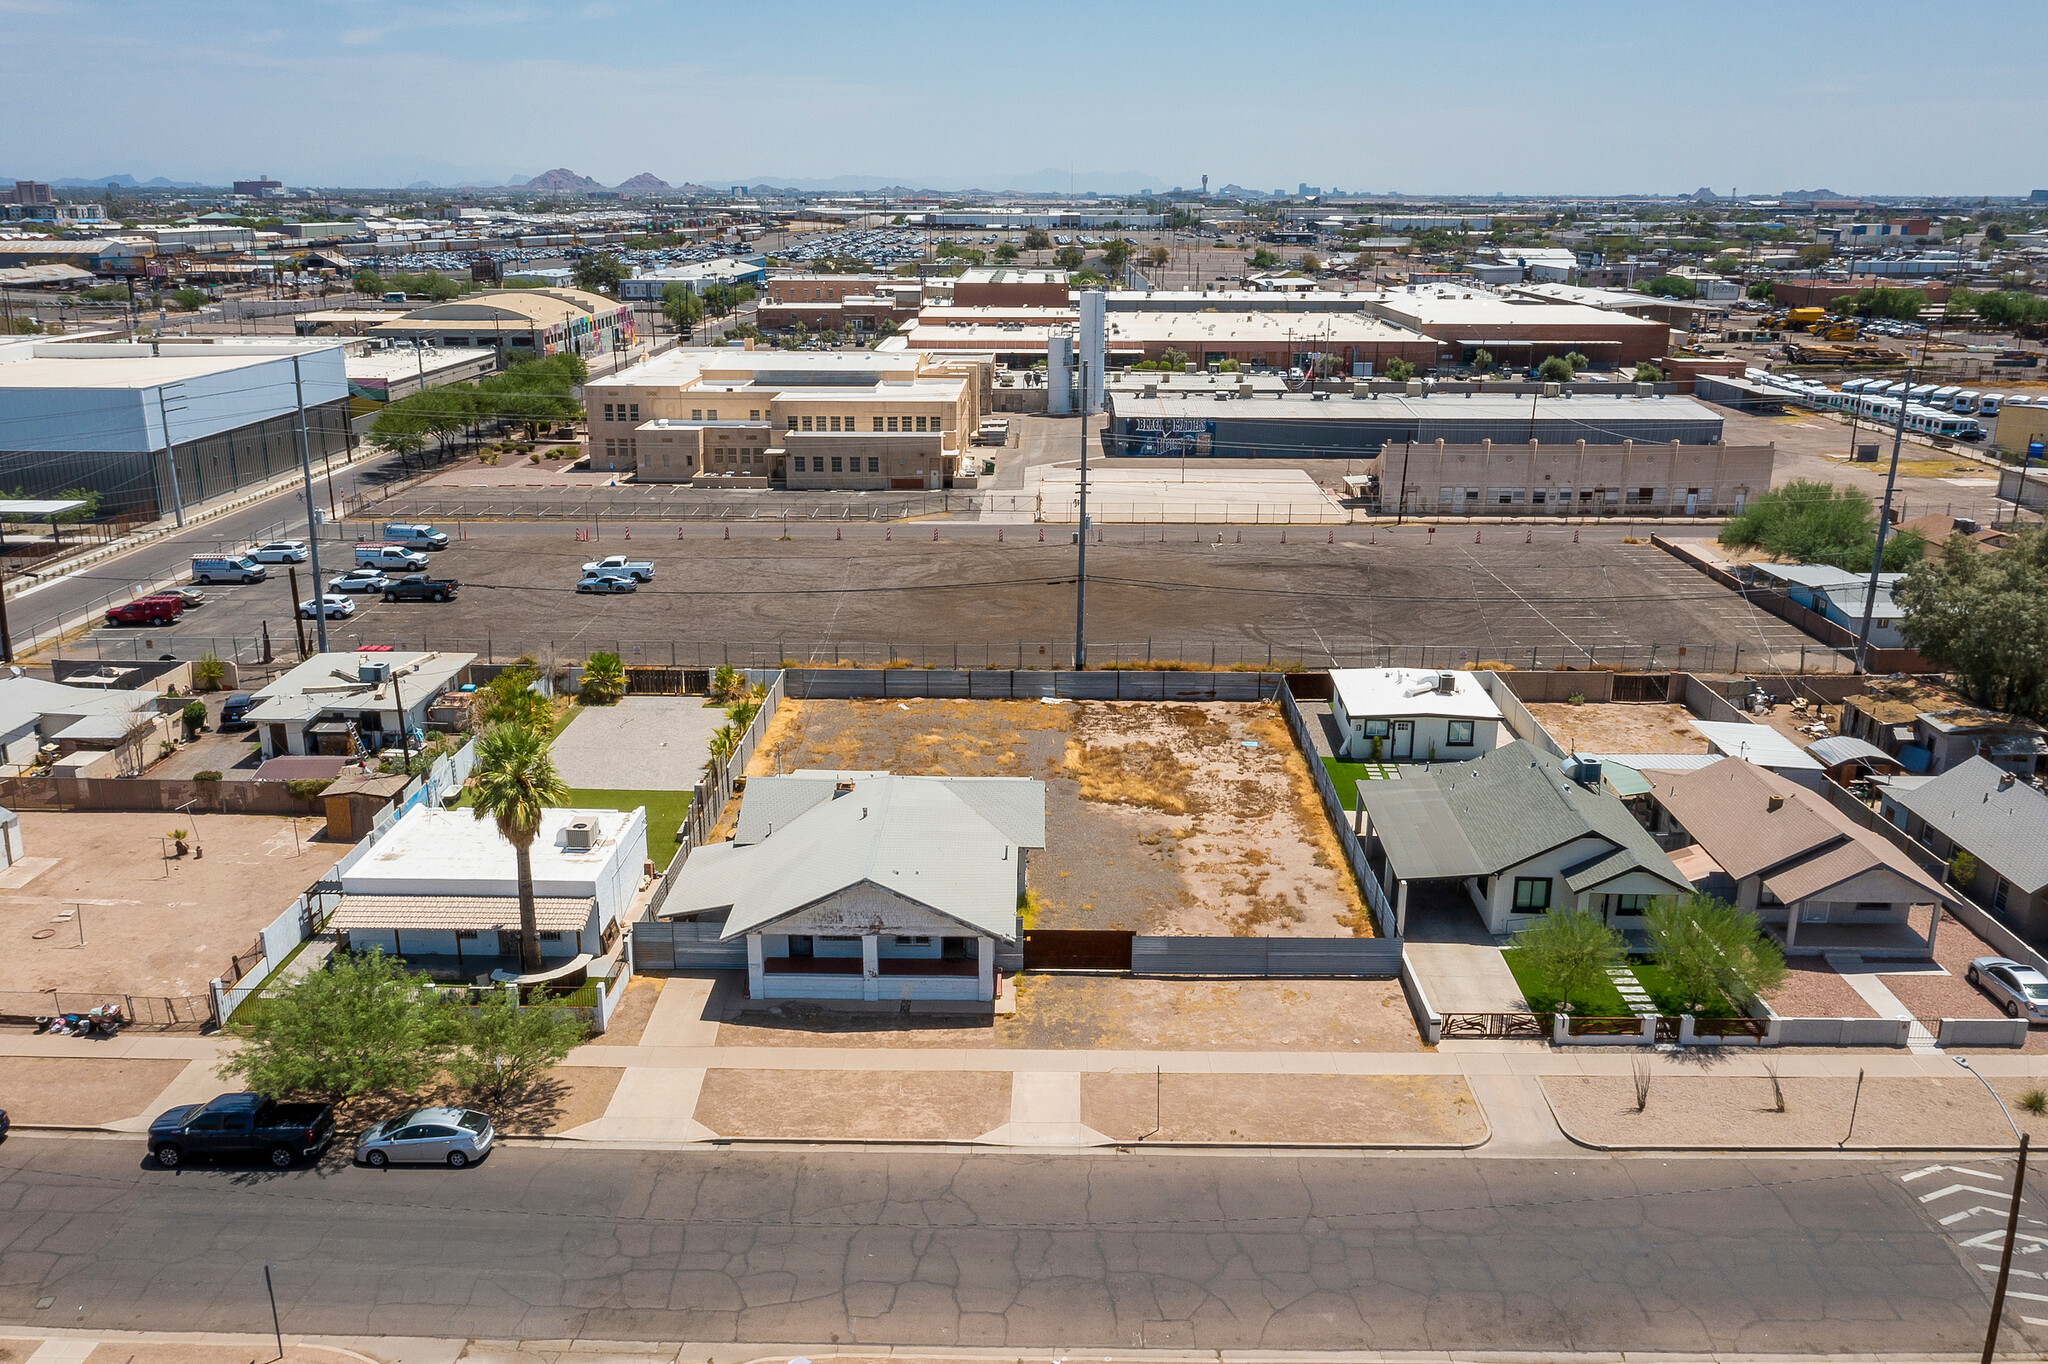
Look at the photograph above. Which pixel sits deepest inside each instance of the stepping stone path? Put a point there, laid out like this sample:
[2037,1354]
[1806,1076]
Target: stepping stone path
[1632,992]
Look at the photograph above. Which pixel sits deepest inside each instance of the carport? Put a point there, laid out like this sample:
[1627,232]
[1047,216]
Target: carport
[1411,835]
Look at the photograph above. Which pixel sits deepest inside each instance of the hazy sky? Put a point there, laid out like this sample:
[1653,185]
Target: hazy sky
[1870,97]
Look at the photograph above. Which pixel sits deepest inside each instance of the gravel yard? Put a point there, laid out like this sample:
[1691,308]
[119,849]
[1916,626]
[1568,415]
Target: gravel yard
[1739,1111]
[1814,989]
[644,743]
[1616,727]
[1366,1110]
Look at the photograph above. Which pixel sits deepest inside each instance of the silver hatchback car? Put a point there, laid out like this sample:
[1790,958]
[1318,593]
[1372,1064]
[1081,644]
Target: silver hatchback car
[428,1136]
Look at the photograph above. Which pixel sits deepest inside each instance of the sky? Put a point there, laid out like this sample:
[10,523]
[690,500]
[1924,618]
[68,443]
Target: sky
[1454,96]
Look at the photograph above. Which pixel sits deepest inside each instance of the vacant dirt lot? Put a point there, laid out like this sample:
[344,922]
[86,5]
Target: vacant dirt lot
[1103,1013]
[1369,1110]
[862,1104]
[1642,727]
[152,926]
[73,1091]
[1162,818]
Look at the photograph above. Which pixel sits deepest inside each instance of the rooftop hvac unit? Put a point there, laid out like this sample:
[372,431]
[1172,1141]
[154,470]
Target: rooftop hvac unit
[373,670]
[579,835]
[1446,683]
[1550,390]
[1415,388]
[1645,390]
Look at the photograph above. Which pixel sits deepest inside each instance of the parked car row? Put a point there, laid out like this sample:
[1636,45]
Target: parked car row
[615,573]
[282,1133]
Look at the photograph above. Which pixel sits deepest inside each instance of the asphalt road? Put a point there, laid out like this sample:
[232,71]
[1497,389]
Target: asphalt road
[1766,1255]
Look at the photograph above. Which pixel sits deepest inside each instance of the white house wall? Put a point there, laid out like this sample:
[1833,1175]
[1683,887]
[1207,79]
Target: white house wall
[1501,917]
[1432,737]
[868,908]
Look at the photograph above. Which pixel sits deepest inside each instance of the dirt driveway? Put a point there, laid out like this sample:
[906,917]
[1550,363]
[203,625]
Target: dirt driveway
[1161,818]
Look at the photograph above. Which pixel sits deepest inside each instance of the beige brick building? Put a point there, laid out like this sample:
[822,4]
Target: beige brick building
[866,420]
[1531,479]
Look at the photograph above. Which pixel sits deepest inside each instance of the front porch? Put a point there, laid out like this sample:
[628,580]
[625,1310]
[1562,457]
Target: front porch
[885,968]
[1912,939]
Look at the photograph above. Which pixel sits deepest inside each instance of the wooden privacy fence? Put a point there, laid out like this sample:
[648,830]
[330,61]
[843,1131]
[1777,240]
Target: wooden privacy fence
[1066,949]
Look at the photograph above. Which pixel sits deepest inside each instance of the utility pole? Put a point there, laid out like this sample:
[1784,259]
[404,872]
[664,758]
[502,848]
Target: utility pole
[1884,524]
[1081,567]
[312,512]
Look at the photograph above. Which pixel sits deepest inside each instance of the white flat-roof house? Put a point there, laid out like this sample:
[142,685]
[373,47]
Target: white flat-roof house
[1413,713]
[340,704]
[442,889]
[867,885]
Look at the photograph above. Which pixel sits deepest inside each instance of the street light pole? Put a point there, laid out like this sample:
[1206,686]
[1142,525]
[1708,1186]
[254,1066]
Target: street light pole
[2012,1217]
[1081,566]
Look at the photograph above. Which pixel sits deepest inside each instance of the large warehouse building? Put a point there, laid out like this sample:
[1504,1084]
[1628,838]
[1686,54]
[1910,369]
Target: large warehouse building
[100,416]
[1357,426]
[1518,331]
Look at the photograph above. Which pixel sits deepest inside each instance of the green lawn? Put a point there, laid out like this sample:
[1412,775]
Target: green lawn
[1347,775]
[1603,1000]
[665,810]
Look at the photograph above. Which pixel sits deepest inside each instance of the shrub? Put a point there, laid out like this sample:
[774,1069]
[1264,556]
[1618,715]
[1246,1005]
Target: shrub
[194,713]
[306,788]
[208,672]
[2035,1100]
[206,776]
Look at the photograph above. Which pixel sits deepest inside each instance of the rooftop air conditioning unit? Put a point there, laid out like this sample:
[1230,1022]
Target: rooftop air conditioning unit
[1446,683]
[579,835]
[373,670]
[1645,390]
[1415,388]
[1550,390]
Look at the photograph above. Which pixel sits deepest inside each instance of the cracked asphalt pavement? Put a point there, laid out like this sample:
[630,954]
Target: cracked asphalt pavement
[941,1248]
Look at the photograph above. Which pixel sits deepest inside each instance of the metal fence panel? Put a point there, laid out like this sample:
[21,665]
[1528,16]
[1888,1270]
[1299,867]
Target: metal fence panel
[1266,958]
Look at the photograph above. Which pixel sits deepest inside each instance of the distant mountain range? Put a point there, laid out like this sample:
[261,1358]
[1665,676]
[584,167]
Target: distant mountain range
[124,180]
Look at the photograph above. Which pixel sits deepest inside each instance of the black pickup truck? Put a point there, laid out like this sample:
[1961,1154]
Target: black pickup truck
[419,587]
[238,1124]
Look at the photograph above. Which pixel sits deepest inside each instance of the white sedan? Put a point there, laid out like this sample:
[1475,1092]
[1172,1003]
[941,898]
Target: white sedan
[359,580]
[281,552]
[332,605]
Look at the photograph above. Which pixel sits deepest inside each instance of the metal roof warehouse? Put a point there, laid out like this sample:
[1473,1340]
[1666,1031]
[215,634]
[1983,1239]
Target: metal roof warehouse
[1305,425]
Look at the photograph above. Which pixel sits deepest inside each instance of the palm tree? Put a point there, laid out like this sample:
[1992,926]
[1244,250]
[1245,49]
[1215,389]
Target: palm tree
[515,781]
[604,679]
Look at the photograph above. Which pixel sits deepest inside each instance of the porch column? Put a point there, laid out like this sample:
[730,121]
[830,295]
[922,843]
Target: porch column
[1401,911]
[985,969]
[756,987]
[1791,926]
[870,966]
[1934,925]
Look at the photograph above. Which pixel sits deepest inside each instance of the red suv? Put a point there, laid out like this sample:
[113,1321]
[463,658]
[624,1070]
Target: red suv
[161,609]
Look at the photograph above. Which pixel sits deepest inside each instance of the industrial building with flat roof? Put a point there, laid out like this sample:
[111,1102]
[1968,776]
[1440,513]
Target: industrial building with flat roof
[1572,478]
[1518,330]
[1340,426]
[528,321]
[1276,340]
[100,415]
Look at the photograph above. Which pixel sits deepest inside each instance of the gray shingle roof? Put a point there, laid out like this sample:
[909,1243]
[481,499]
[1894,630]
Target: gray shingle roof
[2006,830]
[947,843]
[1499,810]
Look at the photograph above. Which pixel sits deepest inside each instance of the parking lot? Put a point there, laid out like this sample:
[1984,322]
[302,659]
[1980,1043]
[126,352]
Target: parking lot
[867,593]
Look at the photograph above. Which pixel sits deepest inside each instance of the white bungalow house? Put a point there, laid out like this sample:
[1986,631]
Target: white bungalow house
[1416,715]
[867,885]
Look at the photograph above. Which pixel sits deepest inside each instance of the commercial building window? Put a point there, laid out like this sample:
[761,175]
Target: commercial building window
[878,423]
[892,423]
[607,411]
[1532,894]
[807,423]
[1458,734]
[792,423]
[835,465]
[799,463]
[920,423]
[696,414]
[874,464]
[835,423]
[633,412]
[753,415]
[710,414]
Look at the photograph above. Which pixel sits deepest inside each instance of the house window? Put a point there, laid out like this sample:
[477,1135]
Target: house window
[466,934]
[1872,906]
[1998,896]
[1532,894]
[1627,904]
[921,940]
[1376,729]
[550,937]
[1458,734]
[874,464]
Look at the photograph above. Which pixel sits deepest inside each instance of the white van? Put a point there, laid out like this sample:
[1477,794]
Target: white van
[414,535]
[227,568]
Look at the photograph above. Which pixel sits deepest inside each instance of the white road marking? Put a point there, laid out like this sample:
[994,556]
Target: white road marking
[1956,1169]
[1960,1188]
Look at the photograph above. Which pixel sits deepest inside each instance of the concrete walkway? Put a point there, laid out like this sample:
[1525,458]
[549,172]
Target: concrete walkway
[1466,978]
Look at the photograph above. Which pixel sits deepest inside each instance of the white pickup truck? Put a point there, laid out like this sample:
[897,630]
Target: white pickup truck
[617,565]
[379,555]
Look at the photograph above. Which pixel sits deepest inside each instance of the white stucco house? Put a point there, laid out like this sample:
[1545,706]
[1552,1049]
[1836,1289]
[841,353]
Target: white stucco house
[1416,715]
[867,885]
[441,889]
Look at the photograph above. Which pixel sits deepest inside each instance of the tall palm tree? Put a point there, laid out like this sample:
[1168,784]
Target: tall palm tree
[515,781]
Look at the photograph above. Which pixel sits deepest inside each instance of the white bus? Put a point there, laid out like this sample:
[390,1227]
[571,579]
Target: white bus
[1966,400]
[1989,403]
